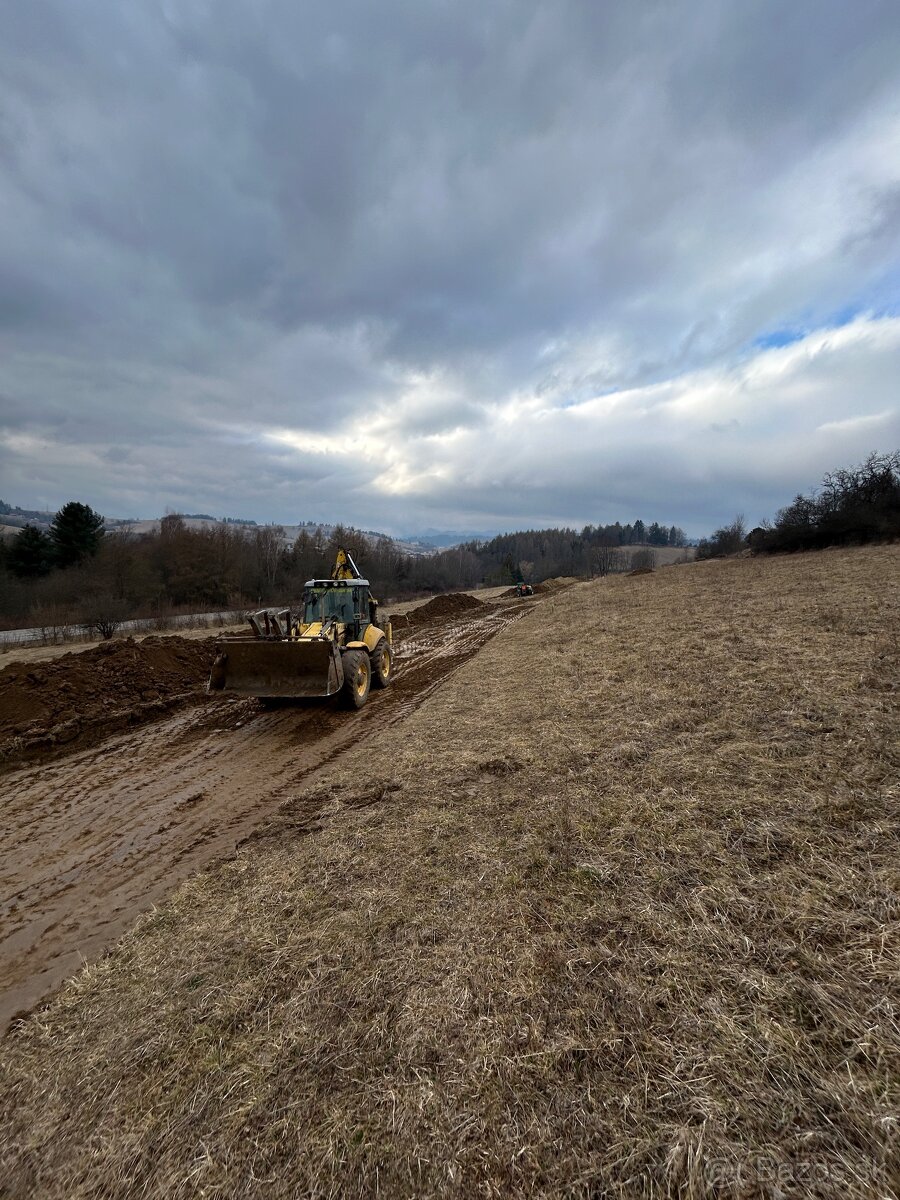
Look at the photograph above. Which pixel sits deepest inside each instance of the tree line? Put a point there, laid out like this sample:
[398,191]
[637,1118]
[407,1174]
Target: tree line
[77,573]
[852,506]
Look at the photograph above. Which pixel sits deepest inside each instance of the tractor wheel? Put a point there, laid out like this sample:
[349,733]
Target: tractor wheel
[382,665]
[357,678]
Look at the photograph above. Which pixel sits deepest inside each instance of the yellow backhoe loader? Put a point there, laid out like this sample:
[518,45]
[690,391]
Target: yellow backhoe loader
[335,644]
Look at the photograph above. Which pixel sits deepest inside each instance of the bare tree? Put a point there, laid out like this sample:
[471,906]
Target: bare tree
[270,547]
[609,560]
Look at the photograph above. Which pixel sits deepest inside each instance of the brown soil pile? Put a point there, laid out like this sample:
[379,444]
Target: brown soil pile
[112,685]
[554,584]
[441,608]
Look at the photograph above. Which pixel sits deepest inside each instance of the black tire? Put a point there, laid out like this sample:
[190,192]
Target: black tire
[382,660]
[357,678]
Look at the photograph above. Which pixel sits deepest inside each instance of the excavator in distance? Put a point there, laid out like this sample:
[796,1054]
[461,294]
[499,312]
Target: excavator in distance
[334,644]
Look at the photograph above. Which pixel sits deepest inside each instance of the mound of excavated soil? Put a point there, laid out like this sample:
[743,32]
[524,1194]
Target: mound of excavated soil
[554,584]
[454,604]
[109,686]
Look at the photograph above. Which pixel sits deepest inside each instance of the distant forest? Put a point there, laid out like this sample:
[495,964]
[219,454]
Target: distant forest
[76,573]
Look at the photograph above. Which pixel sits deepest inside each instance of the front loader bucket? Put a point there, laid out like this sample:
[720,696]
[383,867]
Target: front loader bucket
[255,667]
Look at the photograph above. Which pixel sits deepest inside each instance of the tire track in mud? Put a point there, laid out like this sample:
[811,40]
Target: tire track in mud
[92,840]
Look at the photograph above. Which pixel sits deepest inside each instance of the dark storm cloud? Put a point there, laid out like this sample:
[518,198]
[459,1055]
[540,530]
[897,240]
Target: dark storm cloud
[267,249]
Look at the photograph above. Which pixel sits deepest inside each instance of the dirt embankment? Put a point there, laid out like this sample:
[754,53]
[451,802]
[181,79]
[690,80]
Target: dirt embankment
[78,698]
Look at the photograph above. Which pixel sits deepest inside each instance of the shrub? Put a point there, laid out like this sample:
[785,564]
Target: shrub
[106,615]
[643,560]
[727,540]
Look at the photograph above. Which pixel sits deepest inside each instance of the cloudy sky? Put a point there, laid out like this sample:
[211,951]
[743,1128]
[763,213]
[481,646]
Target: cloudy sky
[481,264]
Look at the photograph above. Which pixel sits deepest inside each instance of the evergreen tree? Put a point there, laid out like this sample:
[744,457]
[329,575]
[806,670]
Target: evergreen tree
[31,553]
[656,535]
[76,533]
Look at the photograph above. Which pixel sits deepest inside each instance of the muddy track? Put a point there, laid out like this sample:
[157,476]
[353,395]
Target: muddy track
[92,840]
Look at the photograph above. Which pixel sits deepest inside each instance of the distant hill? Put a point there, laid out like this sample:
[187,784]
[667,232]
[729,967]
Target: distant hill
[13,518]
[406,546]
[443,539]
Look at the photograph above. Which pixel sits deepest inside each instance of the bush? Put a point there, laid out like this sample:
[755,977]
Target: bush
[727,540]
[643,560]
[106,615]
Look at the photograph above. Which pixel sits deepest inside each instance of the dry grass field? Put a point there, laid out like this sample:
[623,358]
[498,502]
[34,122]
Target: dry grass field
[614,913]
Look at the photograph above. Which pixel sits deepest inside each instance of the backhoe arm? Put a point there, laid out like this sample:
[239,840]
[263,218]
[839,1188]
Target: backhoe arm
[344,566]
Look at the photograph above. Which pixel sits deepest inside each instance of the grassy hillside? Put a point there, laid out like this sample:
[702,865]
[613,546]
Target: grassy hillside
[614,912]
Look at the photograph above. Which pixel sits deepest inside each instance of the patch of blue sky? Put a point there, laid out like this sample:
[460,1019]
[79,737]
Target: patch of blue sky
[775,338]
[881,301]
[786,335]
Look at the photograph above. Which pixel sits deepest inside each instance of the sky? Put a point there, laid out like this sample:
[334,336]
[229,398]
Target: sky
[430,265]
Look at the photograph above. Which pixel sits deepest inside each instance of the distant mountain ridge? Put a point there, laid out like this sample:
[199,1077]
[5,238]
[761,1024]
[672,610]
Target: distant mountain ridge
[428,541]
[13,517]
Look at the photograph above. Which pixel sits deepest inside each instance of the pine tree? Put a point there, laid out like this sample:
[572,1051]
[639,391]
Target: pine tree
[31,553]
[76,533]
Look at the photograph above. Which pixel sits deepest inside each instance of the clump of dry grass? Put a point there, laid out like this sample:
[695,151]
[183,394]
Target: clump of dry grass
[615,913]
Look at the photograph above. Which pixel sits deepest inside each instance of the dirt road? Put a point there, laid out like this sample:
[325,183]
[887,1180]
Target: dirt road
[92,840]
